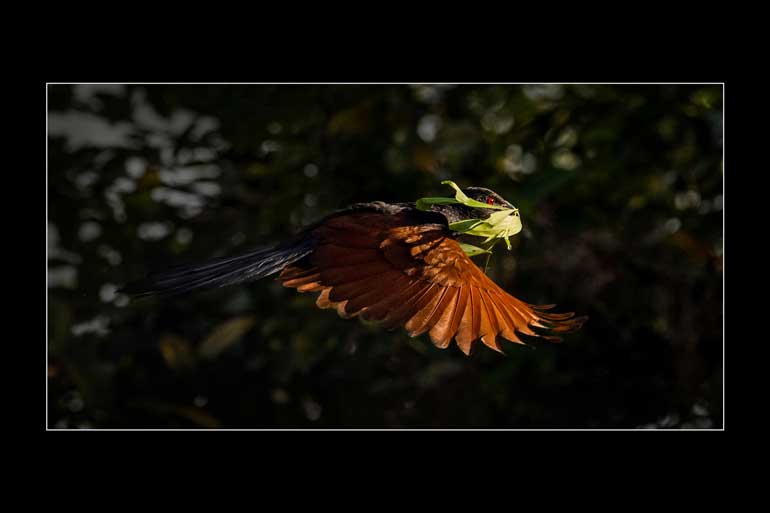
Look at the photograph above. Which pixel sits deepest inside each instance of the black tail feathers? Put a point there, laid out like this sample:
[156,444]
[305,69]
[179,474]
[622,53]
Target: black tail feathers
[222,271]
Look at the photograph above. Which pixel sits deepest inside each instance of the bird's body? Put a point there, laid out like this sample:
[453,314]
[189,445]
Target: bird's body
[387,262]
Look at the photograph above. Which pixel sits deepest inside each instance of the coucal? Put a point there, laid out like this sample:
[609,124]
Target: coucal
[387,262]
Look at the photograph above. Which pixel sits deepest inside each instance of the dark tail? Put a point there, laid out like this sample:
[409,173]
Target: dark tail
[222,271]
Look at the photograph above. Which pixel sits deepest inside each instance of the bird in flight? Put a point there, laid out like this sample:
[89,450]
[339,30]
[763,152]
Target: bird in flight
[399,264]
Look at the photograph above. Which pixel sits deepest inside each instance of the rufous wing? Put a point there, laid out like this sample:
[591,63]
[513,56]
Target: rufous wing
[386,269]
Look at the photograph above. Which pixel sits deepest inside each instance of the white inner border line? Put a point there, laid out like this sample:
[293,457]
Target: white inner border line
[390,83]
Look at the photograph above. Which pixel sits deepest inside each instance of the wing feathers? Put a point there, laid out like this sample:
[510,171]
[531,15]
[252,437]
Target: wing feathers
[352,289]
[383,268]
[411,306]
[507,324]
[419,323]
[377,301]
[489,332]
[467,331]
[463,298]
[442,332]
[445,304]
[338,256]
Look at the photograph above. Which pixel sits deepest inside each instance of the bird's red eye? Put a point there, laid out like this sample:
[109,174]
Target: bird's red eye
[490,201]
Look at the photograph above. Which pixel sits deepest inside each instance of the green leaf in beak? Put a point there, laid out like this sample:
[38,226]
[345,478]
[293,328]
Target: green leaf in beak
[472,250]
[465,226]
[500,225]
[465,200]
[426,203]
[460,197]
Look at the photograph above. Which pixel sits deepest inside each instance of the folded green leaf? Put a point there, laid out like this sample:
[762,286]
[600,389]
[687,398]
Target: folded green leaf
[460,197]
[472,250]
[426,203]
[465,200]
[465,226]
[500,225]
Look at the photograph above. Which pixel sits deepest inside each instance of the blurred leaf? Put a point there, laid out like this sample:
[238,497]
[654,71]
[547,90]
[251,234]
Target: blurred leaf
[176,352]
[224,335]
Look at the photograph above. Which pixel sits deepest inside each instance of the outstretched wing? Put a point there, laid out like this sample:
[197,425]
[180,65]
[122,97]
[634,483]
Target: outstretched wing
[386,268]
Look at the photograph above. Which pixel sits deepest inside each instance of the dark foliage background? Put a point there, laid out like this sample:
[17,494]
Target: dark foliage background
[620,190]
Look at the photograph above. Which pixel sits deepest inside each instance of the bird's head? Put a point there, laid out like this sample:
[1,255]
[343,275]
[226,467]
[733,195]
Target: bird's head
[487,196]
[464,210]
[476,211]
